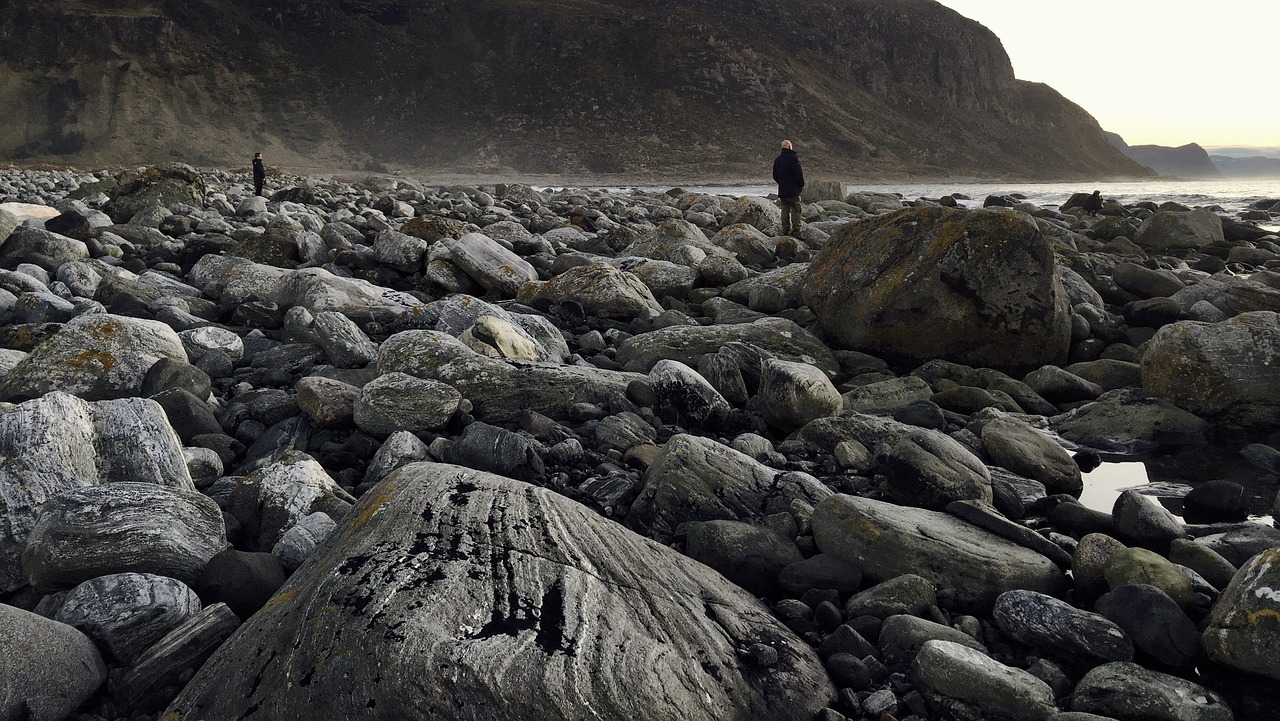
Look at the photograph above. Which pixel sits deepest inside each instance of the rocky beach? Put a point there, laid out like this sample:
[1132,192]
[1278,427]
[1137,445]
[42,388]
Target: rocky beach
[384,450]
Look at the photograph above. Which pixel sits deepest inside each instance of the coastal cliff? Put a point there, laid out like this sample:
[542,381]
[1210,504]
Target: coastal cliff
[870,88]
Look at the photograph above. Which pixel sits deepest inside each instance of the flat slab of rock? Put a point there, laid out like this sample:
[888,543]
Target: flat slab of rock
[460,594]
[970,566]
[47,669]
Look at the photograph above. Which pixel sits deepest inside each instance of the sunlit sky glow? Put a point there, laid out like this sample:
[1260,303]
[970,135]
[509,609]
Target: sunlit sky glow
[1163,72]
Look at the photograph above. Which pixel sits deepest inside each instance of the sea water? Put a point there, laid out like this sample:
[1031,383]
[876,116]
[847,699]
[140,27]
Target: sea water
[1231,195]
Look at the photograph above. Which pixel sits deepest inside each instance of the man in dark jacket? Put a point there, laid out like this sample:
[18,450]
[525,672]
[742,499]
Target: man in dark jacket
[259,174]
[790,179]
[1093,203]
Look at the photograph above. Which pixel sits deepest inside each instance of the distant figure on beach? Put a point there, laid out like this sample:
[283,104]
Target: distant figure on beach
[1093,204]
[790,179]
[259,174]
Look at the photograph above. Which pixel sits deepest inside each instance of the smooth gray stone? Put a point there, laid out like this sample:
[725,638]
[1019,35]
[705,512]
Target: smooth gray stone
[885,397]
[48,669]
[603,290]
[496,450]
[1079,639]
[793,394]
[929,469]
[1154,622]
[457,568]
[239,280]
[84,533]
[300,541]
[906,594]
[781,337]
[622,431]
[1126,690]
[1017,446]
[43,248]
[750,556]
[500,390]
[962,674]
[400,448]
[969,566]
[1142,520]
[127,612]
[489,264]
[59,442]
[1130,421]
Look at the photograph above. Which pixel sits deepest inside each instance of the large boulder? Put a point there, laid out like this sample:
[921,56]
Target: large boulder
[48,669]
[95,356]
[1130,421]
[1123,690]
[975,287]
[127,612]
[43,248]
[698,479]
[948,672]
[489,264]
[1017,446]
[1179,229]
[274,498]
[603,290]
[238,280]
[970,566]
[793,394]
[460,594]
[157,186]
[122,527]
[58,442]
[1222,371]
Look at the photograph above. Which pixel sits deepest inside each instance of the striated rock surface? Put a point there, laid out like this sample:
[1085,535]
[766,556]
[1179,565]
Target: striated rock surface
[479,576]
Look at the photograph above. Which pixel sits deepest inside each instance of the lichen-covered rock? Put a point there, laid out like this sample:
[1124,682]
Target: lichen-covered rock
[970,566]
[1179,229]
[1221,371]
[84,533]
[1077,638]
[1130,421]
[239,280]
[94,356]
[457,593]
[1124,690]
[401,402]
[58,442]
[975,287]
[1243,630]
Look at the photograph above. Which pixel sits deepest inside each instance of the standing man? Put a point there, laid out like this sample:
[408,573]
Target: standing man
[259,174]
[790,179]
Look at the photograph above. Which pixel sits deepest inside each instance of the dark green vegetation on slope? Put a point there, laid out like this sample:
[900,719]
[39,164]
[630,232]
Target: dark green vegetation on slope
[585,87]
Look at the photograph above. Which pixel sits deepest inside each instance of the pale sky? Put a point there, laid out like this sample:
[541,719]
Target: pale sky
[1162,72]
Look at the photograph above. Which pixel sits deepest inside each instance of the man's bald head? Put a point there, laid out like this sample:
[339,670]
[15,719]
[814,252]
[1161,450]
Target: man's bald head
[786,145]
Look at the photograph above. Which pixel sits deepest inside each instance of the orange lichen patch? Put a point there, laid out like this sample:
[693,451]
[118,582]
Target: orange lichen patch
[369,509]
[105,331]
[101,357]
[1263,613]
[280,598]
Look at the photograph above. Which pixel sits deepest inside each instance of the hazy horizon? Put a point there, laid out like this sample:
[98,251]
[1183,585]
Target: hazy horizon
[1155,72]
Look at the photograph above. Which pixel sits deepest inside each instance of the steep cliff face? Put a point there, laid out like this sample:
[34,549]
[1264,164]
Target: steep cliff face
[625,87]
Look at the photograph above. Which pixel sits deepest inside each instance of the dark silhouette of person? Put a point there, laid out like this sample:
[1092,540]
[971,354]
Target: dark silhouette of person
[1092,204]
[789,176]
[259,174]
